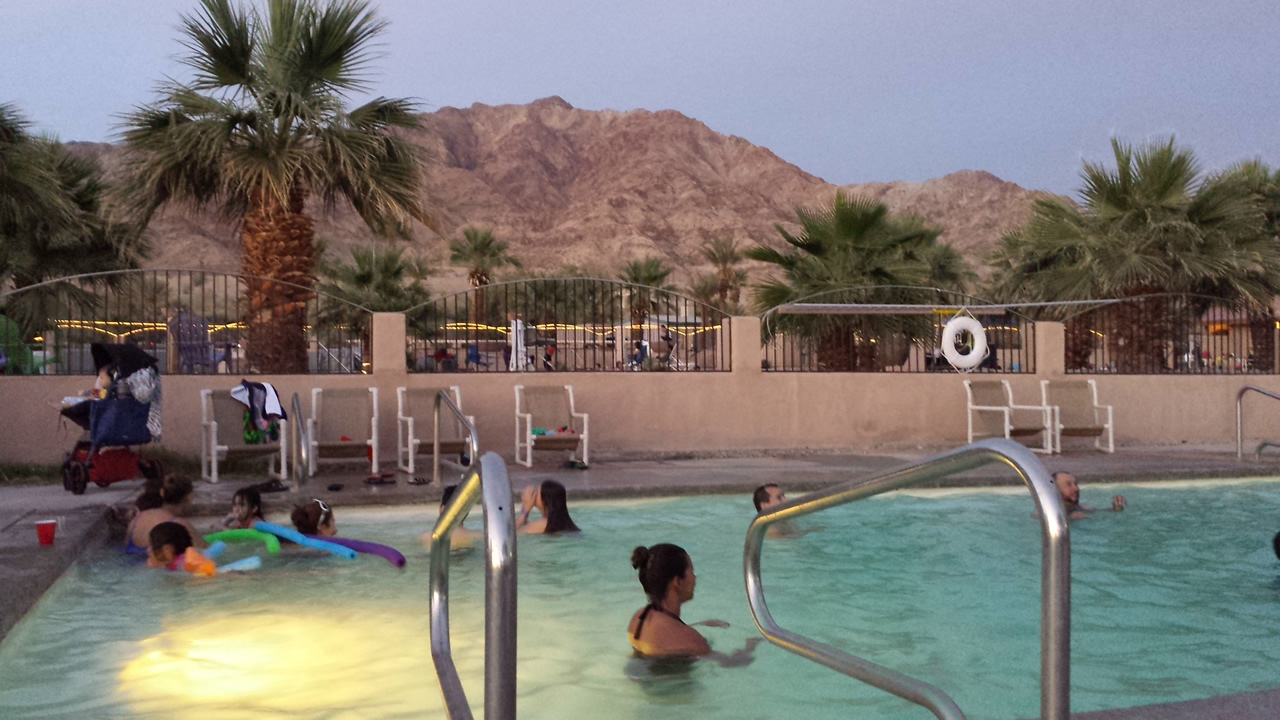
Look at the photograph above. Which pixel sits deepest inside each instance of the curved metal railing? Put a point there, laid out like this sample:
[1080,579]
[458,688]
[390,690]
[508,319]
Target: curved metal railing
[1055,575]
[1240,420]
[473,439]
[488,481]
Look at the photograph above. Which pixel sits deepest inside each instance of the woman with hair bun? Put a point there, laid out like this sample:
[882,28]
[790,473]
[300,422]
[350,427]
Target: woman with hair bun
[164,499]
[656,630]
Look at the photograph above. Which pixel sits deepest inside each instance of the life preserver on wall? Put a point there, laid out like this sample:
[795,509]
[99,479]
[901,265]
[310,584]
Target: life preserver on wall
[975,356]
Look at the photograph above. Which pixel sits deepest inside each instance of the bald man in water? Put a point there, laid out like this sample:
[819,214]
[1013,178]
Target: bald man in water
[1069,491]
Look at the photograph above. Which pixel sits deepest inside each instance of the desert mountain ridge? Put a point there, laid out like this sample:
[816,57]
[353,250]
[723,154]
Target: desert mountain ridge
[594,189]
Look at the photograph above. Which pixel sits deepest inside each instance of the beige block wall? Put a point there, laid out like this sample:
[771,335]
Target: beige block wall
[746,409]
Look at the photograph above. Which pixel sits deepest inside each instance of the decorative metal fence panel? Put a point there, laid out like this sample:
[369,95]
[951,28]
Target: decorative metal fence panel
[567,325]
[903,337]
[1171,334]
[192,322]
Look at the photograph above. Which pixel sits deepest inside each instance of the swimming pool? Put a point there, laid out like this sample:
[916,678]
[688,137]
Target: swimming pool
[1175,599]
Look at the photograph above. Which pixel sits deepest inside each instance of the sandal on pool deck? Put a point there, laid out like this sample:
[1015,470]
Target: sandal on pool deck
[380,480]
[419,481]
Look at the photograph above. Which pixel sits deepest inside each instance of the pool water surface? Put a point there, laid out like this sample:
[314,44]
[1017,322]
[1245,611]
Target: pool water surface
[1174,599]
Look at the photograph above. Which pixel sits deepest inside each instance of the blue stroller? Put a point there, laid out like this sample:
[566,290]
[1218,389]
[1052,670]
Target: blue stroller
[116,423]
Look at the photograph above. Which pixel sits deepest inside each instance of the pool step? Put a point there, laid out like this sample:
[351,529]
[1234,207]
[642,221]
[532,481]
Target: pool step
[1263,705]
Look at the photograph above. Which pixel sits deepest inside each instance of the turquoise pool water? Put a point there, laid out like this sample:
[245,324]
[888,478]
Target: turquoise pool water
[1175,599]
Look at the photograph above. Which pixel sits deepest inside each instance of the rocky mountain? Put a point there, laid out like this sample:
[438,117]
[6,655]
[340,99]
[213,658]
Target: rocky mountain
[595,189]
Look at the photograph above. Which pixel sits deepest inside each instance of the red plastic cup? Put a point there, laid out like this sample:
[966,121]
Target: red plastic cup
[45,529]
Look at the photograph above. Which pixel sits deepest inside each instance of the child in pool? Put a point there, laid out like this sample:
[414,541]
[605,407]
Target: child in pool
[169,542]
[246,508]
[461,537]
[315,518]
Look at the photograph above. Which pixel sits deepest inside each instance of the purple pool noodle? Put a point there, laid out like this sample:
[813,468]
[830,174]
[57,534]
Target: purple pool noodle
[389,554]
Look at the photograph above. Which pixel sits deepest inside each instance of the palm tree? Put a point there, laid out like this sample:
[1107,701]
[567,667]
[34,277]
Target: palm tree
[379,279]
[1152,225]
[855,251]
[53,224]
[725,255]
[645,276]
[260,130]
[482,255]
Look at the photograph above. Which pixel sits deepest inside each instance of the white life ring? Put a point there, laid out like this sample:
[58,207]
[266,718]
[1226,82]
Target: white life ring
[971,359]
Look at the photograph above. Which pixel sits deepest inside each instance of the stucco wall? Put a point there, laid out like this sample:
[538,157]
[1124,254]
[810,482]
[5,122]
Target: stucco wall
[691,411]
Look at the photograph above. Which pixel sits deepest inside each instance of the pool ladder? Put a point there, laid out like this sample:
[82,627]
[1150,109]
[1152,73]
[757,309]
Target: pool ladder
[486,480]
[1055,575]
[1240,422]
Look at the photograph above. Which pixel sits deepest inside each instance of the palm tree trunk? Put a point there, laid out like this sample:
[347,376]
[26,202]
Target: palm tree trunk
[277,249]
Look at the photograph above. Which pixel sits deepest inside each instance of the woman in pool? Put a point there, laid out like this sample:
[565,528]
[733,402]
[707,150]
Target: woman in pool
[656,630]
[246,508]
[162,500]
[550,500]
[315,518]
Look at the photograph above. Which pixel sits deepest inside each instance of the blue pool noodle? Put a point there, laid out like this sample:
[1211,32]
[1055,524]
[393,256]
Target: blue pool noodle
[296,537]
[249,563]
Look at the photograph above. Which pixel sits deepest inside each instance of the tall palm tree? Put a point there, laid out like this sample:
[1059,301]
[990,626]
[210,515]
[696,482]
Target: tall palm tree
[260,130]
[482,255]
[645,276]
[1154,224]
[855,251]
[724,255]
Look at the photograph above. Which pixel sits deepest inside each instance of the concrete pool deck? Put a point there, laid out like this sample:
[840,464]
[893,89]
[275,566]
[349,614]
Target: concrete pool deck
[27,569]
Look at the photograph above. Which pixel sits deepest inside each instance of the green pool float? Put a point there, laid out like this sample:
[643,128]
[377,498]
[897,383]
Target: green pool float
[271,541]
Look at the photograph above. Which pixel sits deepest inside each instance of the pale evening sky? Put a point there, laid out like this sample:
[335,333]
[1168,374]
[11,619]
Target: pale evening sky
[850,90]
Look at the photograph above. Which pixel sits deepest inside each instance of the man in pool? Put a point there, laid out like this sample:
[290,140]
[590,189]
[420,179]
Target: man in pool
[767,497]
[1069,490]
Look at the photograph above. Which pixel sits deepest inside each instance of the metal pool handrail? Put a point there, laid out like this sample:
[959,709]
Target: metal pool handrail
[301,450]
[1240,418]
[1055,575]
[488,480]
[473,439]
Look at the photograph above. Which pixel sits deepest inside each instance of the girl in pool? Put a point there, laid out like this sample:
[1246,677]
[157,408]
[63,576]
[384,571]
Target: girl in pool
[550,500]
[162,500]
[246,507]
[315,518]
[656,630]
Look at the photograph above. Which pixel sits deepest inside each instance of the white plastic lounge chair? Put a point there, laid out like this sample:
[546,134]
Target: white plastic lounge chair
[991,402]
[222,436]
[415,413]
[548,409]
[346,413]
[1076,412]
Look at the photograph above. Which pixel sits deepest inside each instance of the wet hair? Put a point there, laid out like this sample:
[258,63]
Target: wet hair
[167,490]
[252,498]
[170,533]
[152,495]
[447,494]
[1275,545]
[176,489]
[658,566]
[761,495]
[308,518]
[556,508]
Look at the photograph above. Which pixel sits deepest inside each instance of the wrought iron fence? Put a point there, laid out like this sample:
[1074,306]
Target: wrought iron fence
[889,329]
[567,324]
[193,322]
[1171,334]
